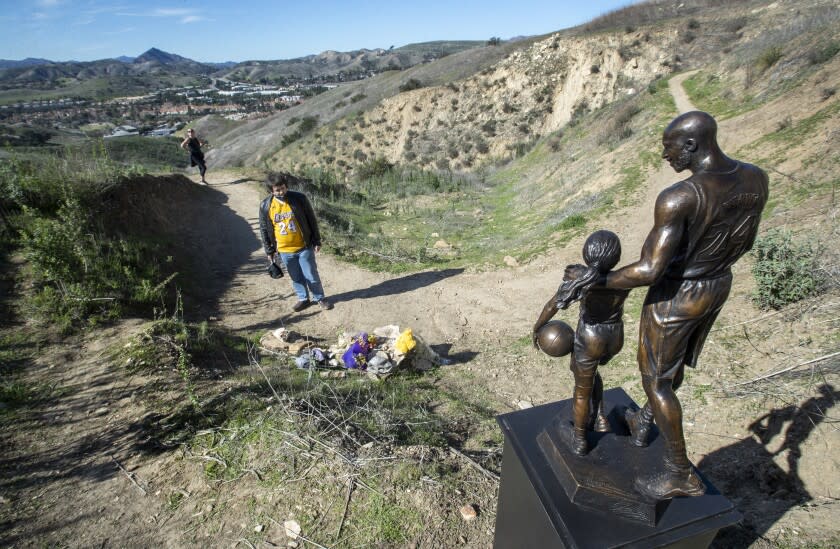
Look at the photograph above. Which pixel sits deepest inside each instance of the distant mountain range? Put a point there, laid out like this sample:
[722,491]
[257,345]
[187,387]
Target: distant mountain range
[152,55]
[28,62]
[36,73]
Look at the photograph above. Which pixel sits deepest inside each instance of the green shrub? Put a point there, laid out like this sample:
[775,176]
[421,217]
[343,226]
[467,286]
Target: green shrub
[411,84]
[555,141]
[768,58]
[308,124]
[375,167]
[785,271]
[825,53]
[81,272]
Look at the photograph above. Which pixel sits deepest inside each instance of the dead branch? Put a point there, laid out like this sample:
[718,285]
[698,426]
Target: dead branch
[788,369]
[127,474]
[785,175]
[489,474]
[352,483]
[750,321]
[747,337]
[391,258]
[252,358]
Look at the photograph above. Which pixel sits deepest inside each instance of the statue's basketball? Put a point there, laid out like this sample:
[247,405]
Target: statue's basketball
[556,338]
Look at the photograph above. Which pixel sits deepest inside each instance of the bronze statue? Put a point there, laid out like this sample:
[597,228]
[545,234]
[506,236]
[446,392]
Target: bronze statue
[599,335]
[702,225]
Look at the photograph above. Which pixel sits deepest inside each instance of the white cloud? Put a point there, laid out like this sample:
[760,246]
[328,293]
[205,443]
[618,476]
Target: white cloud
[125,30]
[171,12]
[186,15]
[104,9]
[48,3]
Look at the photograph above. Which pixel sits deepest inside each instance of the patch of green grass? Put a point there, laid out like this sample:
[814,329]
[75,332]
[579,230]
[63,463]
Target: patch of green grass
[152,153]
[173,501]
[572,222]
[791,134]
[712,94]
[385,221]
[384,521]
[170,343]
[17,393]
[699,391]
[403,410]
[16,347]
[813,180]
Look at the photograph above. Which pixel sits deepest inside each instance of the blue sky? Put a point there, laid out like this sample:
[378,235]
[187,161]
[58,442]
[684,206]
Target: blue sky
[238,30]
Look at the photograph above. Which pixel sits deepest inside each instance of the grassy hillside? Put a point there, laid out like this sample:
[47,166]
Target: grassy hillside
[331,64]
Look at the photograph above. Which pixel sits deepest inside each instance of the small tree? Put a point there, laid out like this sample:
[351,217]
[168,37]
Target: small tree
[494,41]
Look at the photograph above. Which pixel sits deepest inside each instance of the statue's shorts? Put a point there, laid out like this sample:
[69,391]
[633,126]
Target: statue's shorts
[596,343]
[676,318]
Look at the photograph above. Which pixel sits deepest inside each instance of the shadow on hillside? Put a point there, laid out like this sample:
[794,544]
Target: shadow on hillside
[207,241]
[746,472]
[235,182]
[111,434]
[397,285]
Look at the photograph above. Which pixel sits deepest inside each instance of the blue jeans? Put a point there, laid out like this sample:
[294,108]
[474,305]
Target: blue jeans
[304,273]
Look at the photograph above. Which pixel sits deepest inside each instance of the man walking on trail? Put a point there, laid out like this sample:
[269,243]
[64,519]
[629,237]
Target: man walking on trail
[702,225]
[289,229]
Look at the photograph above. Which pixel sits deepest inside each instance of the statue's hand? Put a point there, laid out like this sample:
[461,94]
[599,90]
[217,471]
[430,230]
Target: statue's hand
[573,272]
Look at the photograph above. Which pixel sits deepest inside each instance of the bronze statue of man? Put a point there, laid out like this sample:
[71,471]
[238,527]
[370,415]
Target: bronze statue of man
[702,225]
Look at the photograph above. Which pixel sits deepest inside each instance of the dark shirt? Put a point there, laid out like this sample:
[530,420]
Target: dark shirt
[600,305]
[194,145]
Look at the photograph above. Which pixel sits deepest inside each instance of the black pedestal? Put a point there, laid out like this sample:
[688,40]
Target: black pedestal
[601,509]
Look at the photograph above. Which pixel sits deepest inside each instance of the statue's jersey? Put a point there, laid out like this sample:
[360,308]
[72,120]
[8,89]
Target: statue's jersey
[286,232]
[725,222]
[600,305]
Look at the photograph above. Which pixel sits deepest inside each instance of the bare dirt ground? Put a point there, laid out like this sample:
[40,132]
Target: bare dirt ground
[84,476]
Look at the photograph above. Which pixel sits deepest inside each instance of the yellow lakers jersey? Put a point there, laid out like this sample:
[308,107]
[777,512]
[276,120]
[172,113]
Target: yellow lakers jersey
[286,231]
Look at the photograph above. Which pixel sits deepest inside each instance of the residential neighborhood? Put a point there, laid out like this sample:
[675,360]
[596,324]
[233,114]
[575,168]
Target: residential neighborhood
[161,112]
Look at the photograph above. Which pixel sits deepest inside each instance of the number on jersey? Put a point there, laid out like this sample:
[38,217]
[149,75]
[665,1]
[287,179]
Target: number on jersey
[286,227]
